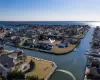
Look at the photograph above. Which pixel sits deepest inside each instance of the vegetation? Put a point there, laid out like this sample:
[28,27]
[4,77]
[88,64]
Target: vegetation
[40,71]
[41,37]
[32,65]
[20,75]
[0,77]
[15,75]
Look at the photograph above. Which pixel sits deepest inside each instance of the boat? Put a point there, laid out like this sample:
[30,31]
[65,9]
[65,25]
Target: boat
[88,50]
[75,49]
[18,50]
[87,53]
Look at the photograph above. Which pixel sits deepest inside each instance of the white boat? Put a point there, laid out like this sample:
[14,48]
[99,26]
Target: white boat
[87,53]
[88,50]
[75,49]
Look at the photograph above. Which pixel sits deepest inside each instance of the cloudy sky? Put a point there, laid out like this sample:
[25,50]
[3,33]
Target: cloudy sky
[50,10]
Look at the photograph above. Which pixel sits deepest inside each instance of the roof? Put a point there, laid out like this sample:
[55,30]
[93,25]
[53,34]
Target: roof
[61,45]
[1,70]
[94,55]
[5,60]
[13,55]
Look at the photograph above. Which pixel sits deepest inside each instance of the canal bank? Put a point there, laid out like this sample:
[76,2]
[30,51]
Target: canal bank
[72,63]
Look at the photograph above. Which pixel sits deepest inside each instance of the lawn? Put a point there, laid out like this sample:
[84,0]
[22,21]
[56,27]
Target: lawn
[58,50]
[42,68]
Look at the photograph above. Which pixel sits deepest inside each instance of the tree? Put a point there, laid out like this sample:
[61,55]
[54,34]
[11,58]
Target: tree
[41,37]
[32,64]
[0,77]
[15,75]
[25,43]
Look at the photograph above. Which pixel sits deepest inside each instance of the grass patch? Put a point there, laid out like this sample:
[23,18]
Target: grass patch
[42,68]
[58,50]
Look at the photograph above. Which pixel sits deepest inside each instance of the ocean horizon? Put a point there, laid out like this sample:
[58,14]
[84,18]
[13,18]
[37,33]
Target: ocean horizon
[90,23]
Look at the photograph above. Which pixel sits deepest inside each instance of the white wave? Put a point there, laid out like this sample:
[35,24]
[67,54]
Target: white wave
[67,72]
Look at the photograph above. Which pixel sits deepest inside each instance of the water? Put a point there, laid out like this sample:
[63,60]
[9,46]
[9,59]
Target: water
[73,62]
[41,22]
[51,22]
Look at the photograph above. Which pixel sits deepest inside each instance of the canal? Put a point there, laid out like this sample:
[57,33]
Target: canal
[70,66]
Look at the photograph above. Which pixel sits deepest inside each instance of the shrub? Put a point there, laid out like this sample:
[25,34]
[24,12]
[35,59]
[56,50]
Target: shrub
[32,64]
[15,75]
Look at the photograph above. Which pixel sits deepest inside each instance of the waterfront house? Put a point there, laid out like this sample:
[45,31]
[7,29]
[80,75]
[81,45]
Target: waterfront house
[74,41]
[63,45]
[44,46]
[49,47]
[13,55]
[11,62]
[6,64]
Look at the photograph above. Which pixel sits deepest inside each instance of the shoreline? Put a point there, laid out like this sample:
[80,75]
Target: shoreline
[45,51]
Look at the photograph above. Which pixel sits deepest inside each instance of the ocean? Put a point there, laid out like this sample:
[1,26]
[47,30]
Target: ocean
[92,23]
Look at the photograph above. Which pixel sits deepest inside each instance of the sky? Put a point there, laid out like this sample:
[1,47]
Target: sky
[49,10]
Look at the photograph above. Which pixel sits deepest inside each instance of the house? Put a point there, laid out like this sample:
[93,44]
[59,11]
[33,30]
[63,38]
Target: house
[49,47]
[62,45]
[6,61]
[74,41]
[6,64]
[13,55]
[10,62]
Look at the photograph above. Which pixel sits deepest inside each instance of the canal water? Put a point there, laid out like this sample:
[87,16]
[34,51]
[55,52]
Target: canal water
[70,66]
